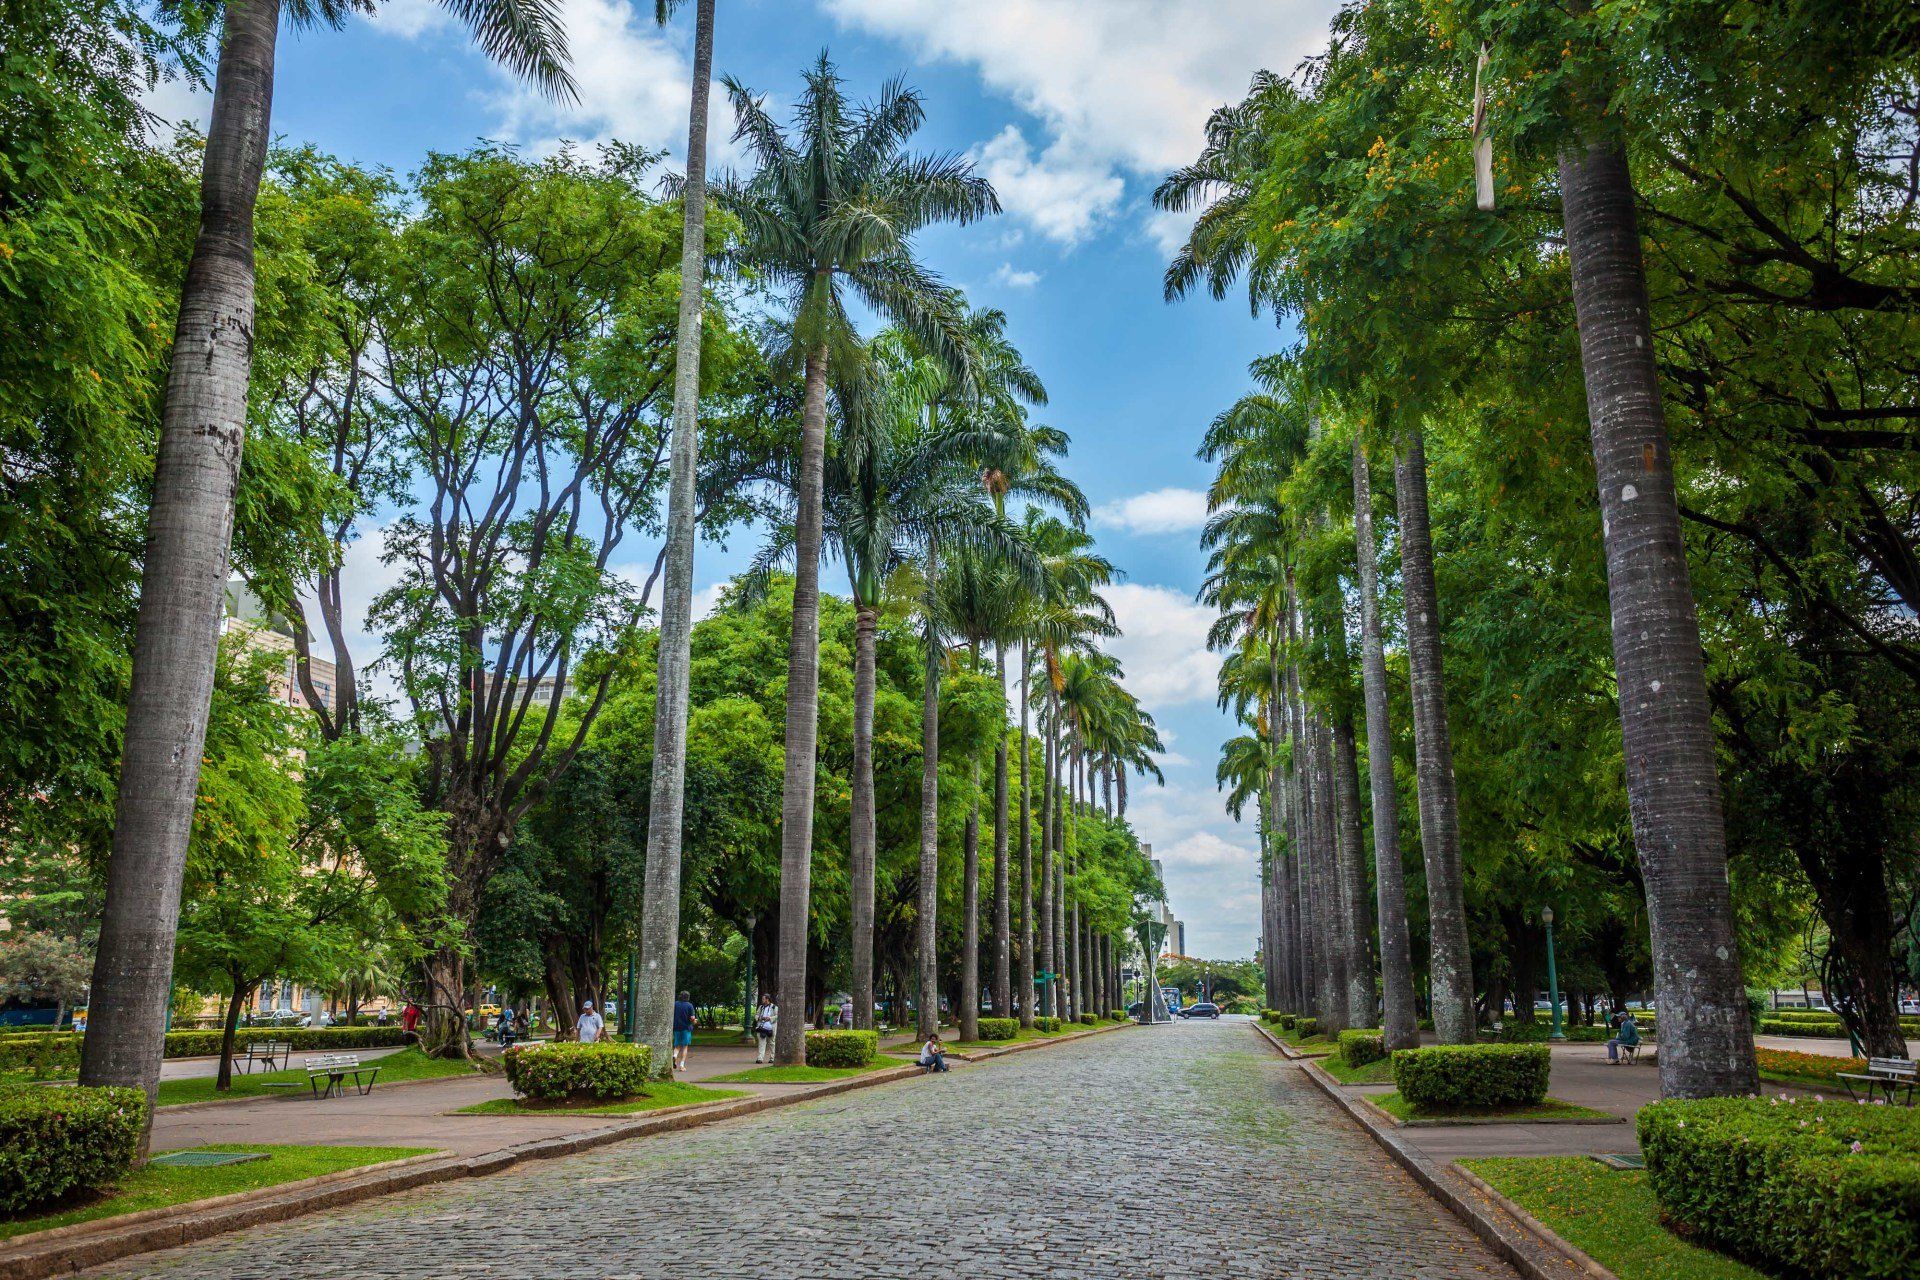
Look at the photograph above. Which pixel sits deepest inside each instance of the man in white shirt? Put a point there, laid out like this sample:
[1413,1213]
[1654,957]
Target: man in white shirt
[591,1024]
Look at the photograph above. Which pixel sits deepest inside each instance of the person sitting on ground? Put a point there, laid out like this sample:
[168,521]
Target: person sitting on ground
[590,1025]
[682,1030]
[1626,1034]
[933,1055]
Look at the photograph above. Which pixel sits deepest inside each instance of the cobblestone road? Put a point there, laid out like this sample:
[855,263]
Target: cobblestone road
[1182,1151]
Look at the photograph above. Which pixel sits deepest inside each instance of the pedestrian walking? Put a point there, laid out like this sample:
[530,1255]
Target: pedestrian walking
[764,1022]
[410,1018]
[682,1031]
[846,1011]
[590,1025]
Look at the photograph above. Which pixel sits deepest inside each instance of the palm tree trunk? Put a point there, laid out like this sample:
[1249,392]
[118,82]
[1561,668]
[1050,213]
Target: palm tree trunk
[1450,967]
[1333,934]
[803,724]
[969,1018]
[1050,990]
[1353,875]
[928,999]
[1673,785]
[183,574]
[652,1018]
[1060,833]
[1399,1023]
[1002,914]
[860,847]
[1026,857]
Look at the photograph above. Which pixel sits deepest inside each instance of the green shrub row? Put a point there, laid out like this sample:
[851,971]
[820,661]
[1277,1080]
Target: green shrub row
[1271,1015]
[54,1053]
[1805,1188]
[844,1048]
[17,1052]
[606,1069]
[999,1028]
[59,1140]
[1046,1024]
[1359,1047]
[1445,1077]
[1829,1027]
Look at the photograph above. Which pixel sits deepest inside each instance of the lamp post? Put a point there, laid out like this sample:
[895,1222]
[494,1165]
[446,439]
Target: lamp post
[1553,976]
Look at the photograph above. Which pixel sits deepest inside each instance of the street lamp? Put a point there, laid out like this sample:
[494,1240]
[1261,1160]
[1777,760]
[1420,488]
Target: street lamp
[1553,976]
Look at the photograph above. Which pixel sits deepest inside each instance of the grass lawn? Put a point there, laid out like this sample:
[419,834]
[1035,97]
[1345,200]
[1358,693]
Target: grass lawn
[805,1075]
[1609,1213]
[661,1093]
[1377,1072]
[1549,1110]
[151,1188]
[408,1064]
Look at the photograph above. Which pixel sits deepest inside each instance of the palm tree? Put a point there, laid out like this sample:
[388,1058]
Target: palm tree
[1673,784]
[660,901]
[835,209]
[1398,1023]
[190,517]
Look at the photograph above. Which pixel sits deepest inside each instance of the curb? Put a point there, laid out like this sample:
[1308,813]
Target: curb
[1573,1253]
[1527,1253]
[91,1244]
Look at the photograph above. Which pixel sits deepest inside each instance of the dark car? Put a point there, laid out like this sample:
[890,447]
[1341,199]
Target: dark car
[1204,1009]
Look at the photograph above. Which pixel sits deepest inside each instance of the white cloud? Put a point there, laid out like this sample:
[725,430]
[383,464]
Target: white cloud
[1015,278]
[1062,196]
[173,102]
[1118,86]
[410,18]
[1167,230]
[1163,645]
[1158,511]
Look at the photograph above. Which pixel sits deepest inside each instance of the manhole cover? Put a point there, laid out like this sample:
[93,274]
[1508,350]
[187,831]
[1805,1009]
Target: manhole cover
[1622,1162]
[201,1159]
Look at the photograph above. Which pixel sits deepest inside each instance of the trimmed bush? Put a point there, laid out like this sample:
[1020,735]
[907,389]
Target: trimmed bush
[199,1044]
[999,1028]
[1116,1015]
[1270,1015]
[848,1048]
[1089,1019]
[1046,1024]
[1804,1188]
[606,1069]
[55,1141]
[1361,1047]
[1452,1076]
[41,1056]
[1288,1021]
[1306,1027]
[1828,1026]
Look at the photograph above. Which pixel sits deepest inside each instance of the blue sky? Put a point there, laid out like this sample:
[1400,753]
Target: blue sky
[1074,109]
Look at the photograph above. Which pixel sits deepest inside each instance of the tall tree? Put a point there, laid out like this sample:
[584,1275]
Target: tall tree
[652,1019]
[190,520]
[832,211]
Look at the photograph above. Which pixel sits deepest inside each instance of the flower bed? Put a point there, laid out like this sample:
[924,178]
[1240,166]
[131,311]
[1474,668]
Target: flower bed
[1821,1067]
[1813,1188]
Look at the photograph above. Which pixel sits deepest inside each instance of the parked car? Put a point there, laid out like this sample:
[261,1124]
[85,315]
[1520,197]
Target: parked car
[1205,1009]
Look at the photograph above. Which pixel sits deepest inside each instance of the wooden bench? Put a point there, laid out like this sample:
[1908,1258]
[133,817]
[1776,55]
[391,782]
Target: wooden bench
[273,1053]
[1892,1077]
[336,1069]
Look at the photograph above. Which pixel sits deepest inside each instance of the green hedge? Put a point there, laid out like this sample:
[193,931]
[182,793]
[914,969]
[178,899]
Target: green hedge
[1271,1015]
[1451,1076]
[1827,1026]
[1288,1021]
[1089,1019]
[999,1028]
[1046,1024]
[1362,1046]
[844,1048]
[1116,1015]
[54,1053]
[1306,1027]
[197,1044]
[605,1069]
[58,1140]
[1810,1188]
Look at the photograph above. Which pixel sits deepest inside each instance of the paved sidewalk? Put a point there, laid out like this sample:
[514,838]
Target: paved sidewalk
[419,1113]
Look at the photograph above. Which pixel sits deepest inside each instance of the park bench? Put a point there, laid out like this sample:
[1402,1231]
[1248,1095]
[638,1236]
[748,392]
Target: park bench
[1634,1052]
[336,1069]
[272,1053]
[1893,1077]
